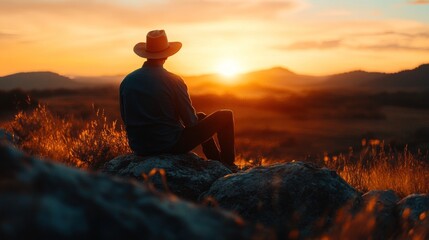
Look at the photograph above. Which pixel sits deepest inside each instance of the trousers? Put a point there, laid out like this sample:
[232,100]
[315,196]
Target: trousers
[220,123]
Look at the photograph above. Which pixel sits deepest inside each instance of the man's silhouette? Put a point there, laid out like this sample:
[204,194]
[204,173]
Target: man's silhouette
[158,112]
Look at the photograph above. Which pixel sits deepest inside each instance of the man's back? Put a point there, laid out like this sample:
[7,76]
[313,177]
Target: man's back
[158,112]
[152,102]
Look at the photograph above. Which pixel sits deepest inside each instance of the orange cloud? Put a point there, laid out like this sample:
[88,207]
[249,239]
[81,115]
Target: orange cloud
[420,2]
[155,12]
[307,45]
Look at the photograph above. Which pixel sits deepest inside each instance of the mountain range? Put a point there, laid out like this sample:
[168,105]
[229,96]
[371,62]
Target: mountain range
[274,80]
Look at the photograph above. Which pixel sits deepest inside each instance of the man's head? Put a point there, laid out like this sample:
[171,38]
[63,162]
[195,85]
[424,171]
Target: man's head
[157,46]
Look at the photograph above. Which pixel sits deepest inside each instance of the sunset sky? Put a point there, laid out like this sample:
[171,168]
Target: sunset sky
[96,37]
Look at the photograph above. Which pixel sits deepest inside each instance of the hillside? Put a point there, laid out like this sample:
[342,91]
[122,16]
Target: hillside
[38,81]
[351,79]
[273,81]
[276,81]
[407,80]
[279,81]
[415,79]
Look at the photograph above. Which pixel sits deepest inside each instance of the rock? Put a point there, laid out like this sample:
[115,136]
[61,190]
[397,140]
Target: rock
[43,200]
[379,208]
[413,214]
[186,175]
[298,199]
[385,198]
[6,136]
[372,217]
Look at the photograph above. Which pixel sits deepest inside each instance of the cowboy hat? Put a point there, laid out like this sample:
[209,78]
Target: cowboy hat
[156,46]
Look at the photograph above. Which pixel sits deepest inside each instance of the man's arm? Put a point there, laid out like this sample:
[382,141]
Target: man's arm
[121,104]
[184,105]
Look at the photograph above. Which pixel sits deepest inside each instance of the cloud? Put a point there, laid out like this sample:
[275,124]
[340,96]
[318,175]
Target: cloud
[380,36]
[420,34]
[134,12]
[331,44]
[310,45]
[391,47]
[419,2]
[7,36]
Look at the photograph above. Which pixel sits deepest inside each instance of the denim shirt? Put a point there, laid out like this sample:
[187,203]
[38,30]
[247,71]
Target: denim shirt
[155,107]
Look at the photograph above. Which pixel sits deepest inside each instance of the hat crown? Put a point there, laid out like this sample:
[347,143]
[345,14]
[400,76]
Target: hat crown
[156,41]
[156,46]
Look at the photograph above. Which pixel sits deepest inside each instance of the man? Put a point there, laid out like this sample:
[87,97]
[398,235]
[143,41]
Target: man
[158,112]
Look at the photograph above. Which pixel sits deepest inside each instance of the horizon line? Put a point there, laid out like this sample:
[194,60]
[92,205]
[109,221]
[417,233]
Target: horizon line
[73,76]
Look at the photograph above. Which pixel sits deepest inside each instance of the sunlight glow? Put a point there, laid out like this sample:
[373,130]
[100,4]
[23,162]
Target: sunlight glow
[228,69]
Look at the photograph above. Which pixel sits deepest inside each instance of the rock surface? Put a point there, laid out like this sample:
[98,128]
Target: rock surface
[379,206]
[297,199]
[43,200]
[413,214]
[6,136]
[186,175]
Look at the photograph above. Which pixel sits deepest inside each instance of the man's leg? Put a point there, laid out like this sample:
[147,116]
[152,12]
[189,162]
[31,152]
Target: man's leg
[220,122]
[210,149]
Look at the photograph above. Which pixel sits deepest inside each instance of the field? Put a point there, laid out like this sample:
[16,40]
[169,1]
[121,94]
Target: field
[354,133]
[282,128]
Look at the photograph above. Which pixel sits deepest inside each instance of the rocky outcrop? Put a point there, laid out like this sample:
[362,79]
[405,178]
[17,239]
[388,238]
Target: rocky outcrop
[43,200]
[185,175]
[298,199]
[379,206]
[413,213]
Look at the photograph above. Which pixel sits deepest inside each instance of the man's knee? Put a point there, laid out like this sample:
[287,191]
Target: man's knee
[226,114]
[201,115]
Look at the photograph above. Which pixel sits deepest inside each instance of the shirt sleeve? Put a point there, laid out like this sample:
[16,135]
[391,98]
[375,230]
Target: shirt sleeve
[121,104]
[184,104]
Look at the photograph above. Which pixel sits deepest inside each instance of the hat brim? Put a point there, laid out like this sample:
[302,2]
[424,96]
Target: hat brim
[173,48]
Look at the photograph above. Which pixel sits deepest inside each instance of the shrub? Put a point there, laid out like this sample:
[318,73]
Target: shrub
[99,141]
[41,133]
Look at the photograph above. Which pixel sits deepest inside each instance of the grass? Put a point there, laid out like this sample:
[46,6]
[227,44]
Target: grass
[74,142]
[377,168]
[90,143]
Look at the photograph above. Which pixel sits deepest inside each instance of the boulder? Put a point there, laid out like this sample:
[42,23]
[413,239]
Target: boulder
[6,136]
[372,217]
[379,207]
[298,199]
[44,200]
[185,175]
[413,214]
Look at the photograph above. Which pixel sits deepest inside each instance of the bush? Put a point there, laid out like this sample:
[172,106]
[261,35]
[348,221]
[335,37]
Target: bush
[99,141]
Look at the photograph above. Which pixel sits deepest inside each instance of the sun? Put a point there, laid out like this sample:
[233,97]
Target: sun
[228,68]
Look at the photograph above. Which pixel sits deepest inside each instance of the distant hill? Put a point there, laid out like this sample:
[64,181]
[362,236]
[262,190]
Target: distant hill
[100,80]
[281,81]
[415,79]
[273,81]
[351,79]
[281,77]
[37,80]
[407,80]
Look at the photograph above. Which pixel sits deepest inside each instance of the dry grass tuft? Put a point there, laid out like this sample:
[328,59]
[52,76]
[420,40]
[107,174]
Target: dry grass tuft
[71,141]
[378,168]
